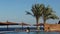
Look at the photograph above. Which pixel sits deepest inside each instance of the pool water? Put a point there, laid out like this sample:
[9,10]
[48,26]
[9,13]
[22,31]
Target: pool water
[32,33]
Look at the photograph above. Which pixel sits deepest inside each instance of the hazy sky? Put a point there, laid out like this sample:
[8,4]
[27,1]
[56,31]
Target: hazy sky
[14,10]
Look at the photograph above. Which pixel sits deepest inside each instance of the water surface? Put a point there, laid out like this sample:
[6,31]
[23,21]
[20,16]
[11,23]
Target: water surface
[32,33]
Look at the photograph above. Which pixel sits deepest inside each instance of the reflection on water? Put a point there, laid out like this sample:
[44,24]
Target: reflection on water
[45,33]
[36,32]
[32,33]
[28,32]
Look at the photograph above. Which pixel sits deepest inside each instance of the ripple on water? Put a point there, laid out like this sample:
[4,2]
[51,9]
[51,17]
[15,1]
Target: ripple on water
[32,33]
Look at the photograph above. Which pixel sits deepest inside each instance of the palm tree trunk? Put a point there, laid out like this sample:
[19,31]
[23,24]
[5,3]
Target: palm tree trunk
[37,22]
[44,23]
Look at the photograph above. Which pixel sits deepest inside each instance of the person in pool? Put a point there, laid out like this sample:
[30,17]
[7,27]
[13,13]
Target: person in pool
[28,29]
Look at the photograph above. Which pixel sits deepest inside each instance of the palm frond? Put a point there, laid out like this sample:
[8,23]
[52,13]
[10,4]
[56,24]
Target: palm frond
[53,17]
[28,13]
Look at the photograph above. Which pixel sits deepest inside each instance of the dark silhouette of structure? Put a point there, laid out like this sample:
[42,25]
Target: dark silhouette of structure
[59,22]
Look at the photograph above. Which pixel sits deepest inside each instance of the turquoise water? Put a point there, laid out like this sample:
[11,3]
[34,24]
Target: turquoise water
[32,33]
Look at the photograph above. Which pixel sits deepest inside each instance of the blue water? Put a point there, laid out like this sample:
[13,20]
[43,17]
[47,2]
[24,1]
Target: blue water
[32,33]
[12,29]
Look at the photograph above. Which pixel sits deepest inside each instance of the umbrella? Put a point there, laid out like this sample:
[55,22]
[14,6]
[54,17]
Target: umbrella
[10,23]
[24,24]
[1,23]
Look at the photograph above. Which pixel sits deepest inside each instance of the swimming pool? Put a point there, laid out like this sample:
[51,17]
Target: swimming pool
[32,32]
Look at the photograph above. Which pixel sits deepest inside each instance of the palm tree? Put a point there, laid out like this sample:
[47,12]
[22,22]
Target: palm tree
[36,12]
[48,13]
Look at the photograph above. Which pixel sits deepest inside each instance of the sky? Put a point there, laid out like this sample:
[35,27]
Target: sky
[14,10]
